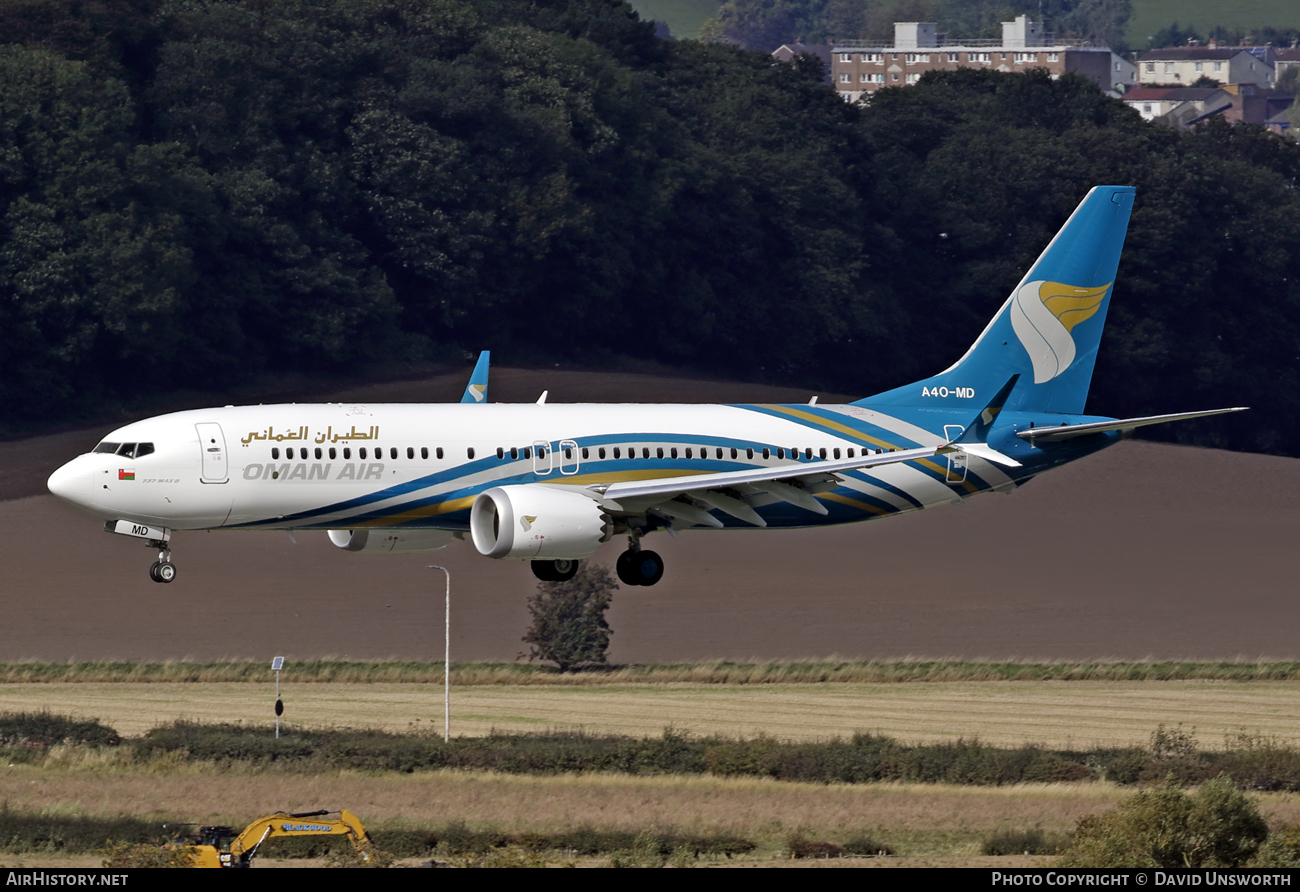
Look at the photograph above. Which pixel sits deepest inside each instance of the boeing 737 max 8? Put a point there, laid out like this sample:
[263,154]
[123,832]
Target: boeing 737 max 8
[550,483]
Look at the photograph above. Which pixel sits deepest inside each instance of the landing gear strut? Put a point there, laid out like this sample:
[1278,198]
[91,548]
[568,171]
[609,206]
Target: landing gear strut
[555,571]
[638,567]
[162,570]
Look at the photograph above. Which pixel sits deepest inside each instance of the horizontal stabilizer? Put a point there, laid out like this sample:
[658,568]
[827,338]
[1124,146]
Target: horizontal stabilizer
[1070,431]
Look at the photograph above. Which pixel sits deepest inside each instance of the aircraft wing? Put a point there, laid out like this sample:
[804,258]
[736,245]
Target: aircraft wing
[690,497]
[1070,431]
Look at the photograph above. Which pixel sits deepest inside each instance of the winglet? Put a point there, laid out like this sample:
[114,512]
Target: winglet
[476,390]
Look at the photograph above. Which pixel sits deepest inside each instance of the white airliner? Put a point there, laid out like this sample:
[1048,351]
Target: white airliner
[549,483]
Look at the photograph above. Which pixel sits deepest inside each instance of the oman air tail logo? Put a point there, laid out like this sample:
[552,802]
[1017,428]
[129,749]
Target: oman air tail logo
[476,392]
[527,521]
[1044,314]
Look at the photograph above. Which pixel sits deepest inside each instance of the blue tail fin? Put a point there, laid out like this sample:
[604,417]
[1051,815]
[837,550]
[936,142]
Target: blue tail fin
[476,389]
[1049,329]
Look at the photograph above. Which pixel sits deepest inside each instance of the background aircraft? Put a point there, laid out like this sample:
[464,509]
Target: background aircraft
[549,483]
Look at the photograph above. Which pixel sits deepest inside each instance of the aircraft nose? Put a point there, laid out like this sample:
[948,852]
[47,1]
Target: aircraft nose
[71,482]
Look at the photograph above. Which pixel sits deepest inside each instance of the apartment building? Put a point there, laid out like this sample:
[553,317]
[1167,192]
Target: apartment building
[1186,65]
[860,69]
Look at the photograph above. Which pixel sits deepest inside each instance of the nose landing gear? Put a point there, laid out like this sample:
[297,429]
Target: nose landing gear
[162,570]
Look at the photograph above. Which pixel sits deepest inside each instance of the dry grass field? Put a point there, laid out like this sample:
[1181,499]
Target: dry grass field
[1054,714]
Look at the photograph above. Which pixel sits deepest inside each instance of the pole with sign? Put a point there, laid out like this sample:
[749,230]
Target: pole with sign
[277,664]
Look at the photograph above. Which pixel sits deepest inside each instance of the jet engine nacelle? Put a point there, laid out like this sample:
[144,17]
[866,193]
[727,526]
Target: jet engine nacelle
[537,522]
[391,541]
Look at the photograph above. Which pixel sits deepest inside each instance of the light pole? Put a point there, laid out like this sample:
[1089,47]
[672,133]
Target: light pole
[446,665]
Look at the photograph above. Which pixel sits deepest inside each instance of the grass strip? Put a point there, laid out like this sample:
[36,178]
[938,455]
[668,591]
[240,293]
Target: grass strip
[721,672]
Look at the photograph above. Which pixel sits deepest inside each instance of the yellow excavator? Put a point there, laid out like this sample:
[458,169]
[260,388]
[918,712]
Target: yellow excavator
[219,846]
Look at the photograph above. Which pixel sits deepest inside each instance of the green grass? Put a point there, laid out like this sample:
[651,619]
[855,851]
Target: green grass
[684,17]
[1150,16]
[720,672]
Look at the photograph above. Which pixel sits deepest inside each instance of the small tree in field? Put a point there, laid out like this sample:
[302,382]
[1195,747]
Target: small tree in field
[569,618]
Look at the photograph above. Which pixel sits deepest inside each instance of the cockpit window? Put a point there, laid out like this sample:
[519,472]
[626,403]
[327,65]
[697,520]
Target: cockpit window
[126,450]
[143,449]
[107,448]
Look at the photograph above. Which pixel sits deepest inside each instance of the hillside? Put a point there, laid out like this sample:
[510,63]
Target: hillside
[1151,15]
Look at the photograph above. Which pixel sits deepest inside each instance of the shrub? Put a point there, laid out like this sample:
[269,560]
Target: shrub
[1164,827]
[126,854]
[569,624]
[1024,842]
[800,846]
[42,729]
[866,846]
[1281,849]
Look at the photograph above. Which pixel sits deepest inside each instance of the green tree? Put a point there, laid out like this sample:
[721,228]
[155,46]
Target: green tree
[569,624]
[1217,826]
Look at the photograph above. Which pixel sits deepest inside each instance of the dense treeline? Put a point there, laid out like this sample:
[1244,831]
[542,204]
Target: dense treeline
[195,193]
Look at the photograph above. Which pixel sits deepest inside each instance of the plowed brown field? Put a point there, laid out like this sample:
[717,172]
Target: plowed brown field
[1142,551]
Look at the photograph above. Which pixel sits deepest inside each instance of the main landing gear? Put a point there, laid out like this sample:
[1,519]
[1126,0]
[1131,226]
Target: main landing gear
[162,570]
[554,571]
[637,567]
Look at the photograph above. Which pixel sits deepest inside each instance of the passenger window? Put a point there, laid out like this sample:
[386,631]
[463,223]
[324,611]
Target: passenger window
[850,452]
[143,449]
[659,453]
[600,453]
[318,453]
[617,452]
[437,453]
[288,452]
[469,453]
[514,452]
[688,452]
[501,453]
[807,453]
[719,452]
[410,452]
[584,452]
[568,452]
[275,452]
[749,453]
[347,452]
[107,448]
[645,452]
[361,452]
[528,452]
[392,452]
[837,453]
[780,452]
[332,453]
[735,453]
[822,452]
[424,452]
[767,453]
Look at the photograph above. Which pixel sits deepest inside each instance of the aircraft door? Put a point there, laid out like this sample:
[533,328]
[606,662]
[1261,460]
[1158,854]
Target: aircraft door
[212,447]
[569,460]
[956,460]
[543,458]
